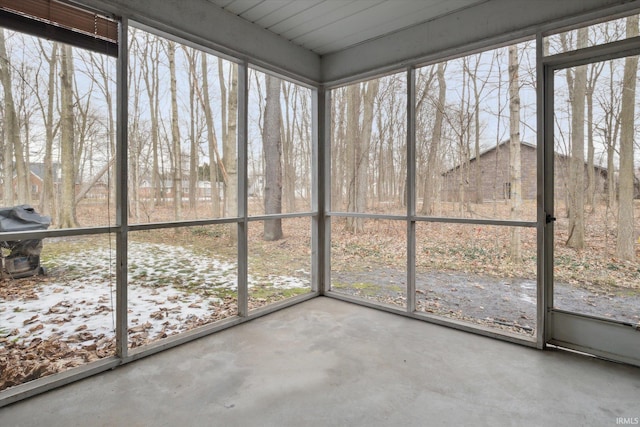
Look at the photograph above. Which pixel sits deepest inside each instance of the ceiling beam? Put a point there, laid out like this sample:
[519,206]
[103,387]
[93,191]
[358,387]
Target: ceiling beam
[203,22]
[490,22]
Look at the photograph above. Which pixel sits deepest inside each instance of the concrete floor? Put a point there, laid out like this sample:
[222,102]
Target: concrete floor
[327,362]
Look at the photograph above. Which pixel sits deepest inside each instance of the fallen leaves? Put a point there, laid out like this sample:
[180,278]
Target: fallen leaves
[36,328]
[440,247]
[20,363]
[31,320]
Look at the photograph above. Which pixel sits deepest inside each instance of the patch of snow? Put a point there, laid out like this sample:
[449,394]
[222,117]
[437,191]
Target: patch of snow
[84,298]
[526,298]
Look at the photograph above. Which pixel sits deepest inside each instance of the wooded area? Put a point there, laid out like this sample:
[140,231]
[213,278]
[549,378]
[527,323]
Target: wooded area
[59,115]
[59,124]
[471,109]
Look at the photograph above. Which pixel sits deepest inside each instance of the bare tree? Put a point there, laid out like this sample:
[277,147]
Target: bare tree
[515,170]
[626,235]
[67,208]
[338,148]
[354,156]
[150,67]
[106,84]
[609,103]
[272,149]
[215,163]
[387,148]
[135,139]
[358,139]
[175,133]
[305,150]
[477,97]
[594,73]
[577,83]
[47,201]
[432,172]
[12,134]
[192,59]
[289,125]
[229,117]
[460,120]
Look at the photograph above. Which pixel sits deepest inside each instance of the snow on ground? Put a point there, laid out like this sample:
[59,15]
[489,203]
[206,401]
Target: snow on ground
[169,287]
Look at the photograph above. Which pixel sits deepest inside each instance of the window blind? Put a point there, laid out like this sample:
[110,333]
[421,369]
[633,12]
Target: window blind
[62,22]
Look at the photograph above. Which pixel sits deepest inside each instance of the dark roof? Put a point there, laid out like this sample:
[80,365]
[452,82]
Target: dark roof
[488,150]
[38,169]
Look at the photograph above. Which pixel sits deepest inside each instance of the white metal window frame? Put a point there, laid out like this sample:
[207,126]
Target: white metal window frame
[122,228]
[411,218]
[320,213]
[615,340]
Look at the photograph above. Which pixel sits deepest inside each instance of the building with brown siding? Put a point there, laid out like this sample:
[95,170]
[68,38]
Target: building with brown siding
[494,184]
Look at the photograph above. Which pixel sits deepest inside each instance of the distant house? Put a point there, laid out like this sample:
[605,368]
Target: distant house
[36,179]
[36,182]
[495,181]
[203,188]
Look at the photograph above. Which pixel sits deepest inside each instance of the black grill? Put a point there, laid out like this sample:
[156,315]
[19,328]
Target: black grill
[23,257]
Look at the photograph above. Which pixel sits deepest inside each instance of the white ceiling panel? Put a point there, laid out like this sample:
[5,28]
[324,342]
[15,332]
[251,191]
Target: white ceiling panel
[357,29]
[327,26]
[308,19]
[290,12]
[222,3]
[317,21]
[238,7]
[265,8]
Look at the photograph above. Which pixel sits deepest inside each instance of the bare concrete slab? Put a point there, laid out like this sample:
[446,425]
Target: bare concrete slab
[328,362]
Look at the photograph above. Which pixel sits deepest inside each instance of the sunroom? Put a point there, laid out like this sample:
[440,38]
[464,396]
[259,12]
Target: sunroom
[195,165]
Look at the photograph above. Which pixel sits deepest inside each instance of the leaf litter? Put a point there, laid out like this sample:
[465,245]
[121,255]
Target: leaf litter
[67,318]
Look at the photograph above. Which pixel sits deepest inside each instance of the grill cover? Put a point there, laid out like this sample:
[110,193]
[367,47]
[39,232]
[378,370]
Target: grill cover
[22,218]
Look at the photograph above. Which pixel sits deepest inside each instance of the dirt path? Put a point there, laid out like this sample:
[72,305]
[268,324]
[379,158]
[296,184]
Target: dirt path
[509,303]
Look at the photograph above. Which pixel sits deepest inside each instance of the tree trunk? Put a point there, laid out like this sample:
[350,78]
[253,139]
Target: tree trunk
[212,143]
[93,180]
[67,209]
[151,80]
[594,73]
[432,174]
[134,142]
[464,151]
[365,144]
[591,176]
[47,201]
[379,152]
[175,134]
[229,149]
[337,149]
[576,163]
[359,140]
[612,129]
[476,119]
[352,145]
[626,233]
[12,132]
[192,56]
[272,148]
[103,78]
[288,126]
[515,170]
[7,171]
